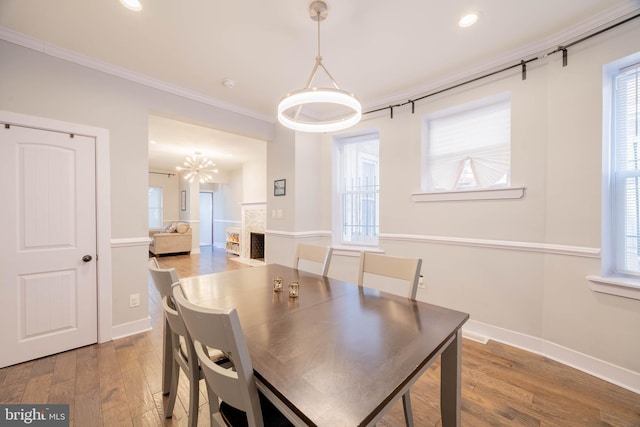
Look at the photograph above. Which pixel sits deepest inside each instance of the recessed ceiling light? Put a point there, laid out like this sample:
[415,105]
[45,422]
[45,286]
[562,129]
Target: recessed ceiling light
[468,20]
[153,142]
[229,83]
[132,4]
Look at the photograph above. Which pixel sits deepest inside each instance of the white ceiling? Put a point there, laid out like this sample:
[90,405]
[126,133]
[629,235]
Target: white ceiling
[171,141]
[383,51]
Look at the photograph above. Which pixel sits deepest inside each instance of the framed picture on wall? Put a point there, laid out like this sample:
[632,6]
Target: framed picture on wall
[280,187]
[183,200]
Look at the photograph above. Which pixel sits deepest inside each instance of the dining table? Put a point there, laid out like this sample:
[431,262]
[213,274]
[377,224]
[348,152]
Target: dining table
[338,354]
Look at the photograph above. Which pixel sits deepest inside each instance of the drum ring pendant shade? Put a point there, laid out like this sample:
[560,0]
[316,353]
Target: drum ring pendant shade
[291,105]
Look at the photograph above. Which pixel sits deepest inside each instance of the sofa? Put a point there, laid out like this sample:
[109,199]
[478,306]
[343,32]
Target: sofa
[172,239]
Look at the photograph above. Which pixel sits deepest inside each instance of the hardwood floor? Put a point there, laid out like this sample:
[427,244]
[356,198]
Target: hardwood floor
[118,383]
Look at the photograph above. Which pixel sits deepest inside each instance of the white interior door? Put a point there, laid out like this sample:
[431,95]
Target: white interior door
[206,219]
[48,301]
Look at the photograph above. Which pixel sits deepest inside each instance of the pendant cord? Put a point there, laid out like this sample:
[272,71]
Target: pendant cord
[318,17]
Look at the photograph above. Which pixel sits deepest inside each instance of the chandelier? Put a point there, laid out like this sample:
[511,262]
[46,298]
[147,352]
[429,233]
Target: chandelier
[197,167]
[291,105]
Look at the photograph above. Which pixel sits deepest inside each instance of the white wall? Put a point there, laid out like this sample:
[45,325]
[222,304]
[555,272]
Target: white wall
[498,260]
[40,85]
[254,175]
[227,205]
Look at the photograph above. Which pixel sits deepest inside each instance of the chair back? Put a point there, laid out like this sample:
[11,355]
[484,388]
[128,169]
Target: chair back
[399,268]
[318,254]
[175,320]
[163,278]
[220,329]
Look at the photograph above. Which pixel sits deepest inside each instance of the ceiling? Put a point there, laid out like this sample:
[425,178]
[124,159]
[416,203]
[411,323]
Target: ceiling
[385,52]
[171,141]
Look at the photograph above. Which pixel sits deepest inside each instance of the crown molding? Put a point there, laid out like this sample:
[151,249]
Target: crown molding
[95,64]
[537,49]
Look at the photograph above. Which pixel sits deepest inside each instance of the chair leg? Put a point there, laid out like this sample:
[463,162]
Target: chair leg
[173,393]
[194,392]
[406,405]
[214,407]
[167,358]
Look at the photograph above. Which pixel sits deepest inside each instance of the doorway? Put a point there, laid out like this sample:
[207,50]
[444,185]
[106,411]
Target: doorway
[206,218]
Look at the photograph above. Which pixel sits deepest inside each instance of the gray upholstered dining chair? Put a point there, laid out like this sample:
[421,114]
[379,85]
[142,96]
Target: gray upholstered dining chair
[317,254]
[234,399]
[163,278]
[398,268]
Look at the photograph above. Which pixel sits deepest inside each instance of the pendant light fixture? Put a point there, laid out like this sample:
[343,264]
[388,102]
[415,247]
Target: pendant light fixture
[197,167]
[291,105]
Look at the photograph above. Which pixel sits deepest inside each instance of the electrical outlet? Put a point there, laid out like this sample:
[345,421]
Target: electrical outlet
[421,282]
[134,300]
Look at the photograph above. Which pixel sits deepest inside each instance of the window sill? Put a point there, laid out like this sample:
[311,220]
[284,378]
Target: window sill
[619,286]
[481,194]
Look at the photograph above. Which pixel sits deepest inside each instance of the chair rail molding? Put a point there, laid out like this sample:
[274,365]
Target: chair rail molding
[548,248]
[298,234]
[130,242]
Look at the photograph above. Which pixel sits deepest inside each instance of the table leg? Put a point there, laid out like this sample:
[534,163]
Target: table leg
[408,413]
[450,382]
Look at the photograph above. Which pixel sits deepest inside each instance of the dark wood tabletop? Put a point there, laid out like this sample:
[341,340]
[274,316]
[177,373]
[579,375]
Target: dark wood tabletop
[339,354]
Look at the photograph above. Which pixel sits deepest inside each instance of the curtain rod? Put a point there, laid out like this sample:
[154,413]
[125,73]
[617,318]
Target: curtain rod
[523,63]
[169,174]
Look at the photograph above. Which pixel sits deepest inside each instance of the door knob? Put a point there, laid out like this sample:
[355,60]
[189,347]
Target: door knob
[86,258]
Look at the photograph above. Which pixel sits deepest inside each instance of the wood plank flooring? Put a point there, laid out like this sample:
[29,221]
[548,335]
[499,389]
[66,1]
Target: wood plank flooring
[118,383]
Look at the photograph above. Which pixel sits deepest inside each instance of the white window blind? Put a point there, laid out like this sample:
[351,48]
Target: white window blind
[626,158]
[155,207]
[470,148]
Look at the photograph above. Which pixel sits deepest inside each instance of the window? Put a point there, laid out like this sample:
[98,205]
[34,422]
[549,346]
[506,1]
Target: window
[155,207]
[357,178]
[625,169]
[468,147]
[620,268]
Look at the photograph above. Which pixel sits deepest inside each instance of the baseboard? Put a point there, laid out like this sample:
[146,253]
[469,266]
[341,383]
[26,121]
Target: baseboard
[617,375]
[131,328]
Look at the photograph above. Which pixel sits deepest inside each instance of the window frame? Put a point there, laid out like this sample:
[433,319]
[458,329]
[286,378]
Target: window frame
[611,281]
[339,141]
